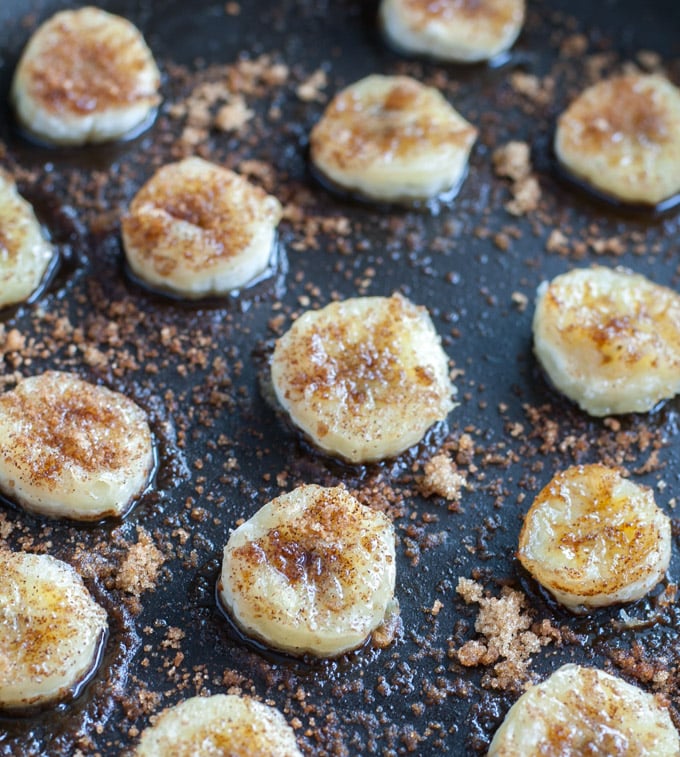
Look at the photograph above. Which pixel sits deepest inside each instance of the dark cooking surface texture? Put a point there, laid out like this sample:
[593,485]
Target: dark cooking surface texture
[223,451]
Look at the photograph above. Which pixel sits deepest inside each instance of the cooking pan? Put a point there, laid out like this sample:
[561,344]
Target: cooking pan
[223,450]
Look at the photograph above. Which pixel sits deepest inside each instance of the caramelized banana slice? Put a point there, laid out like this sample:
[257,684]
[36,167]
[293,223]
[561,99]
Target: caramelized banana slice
[593,538]
[85,76]
[219,725]
[609,339]
[71,449]
[312,571]
[51,630]
[364,378]
[453,30]
[196,229]
[391,138]
[584,711]
[622,136]
[25,255]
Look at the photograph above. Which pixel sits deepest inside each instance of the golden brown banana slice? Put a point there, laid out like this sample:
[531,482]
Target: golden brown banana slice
[313,571]
[622,136]
[51,630]
[85,76]
[391,138]
[25,255]
[454,30]
[72,449]
[364,378]
[217,726]
[584,711]
[609,339]
[196,229]
[592,538]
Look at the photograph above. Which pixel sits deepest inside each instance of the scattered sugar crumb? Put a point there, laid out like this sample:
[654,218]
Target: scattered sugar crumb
[234,115]
[310,89]
[607,245]
[14,341]
[526,196]
[442,478]
[557,242]
[539,91]
[6,526]
[508,641]
[520,301]
[139,570]
[513,161]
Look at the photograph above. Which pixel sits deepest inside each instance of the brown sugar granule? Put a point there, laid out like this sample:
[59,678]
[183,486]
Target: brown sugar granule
[513,161]
[310,89]
[520,301]
[139,570]
[14,341]
[539,91]
[391,627]
[442,478]
[607,246]
[234,115]
[526,196]
[657,670]
[507,642]
[557,242]
[6,526]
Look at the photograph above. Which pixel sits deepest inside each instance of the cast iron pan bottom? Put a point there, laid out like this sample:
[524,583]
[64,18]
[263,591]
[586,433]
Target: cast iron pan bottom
[223,451]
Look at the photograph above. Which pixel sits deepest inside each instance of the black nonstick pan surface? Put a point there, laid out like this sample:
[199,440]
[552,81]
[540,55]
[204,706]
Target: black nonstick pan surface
[222,449]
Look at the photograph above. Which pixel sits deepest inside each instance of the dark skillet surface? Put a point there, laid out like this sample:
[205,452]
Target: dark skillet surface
[221,447]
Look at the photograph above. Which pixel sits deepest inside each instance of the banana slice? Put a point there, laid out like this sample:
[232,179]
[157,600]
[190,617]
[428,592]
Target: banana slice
[72,449]
[223,724]
[592,538]
[196,229]
[312,571]
[609,339]
[364,378]
[622,136]
[390,138]
[453,30]
[584,711]
[85,76]
[51,630]
[25,255]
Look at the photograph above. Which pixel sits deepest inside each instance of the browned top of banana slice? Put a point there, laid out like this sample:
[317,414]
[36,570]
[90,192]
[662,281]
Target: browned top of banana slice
[385,133]
[82,72]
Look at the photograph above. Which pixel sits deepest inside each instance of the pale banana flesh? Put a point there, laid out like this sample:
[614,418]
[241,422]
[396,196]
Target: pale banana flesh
[218,725]
[51,630]
[593,538]
[466,31]
[85,76]
[584,711]
[609,339]
[25,254]
[72,449]
[196,229]
[313,571]
[364,378]
[391,138]
[622,136]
